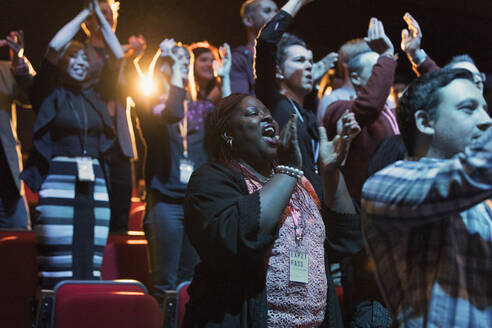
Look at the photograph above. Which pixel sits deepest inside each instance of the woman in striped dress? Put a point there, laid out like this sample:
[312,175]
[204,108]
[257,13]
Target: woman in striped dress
[72,134]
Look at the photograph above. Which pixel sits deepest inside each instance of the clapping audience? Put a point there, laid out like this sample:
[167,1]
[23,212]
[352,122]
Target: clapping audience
[250,195]
[174,127]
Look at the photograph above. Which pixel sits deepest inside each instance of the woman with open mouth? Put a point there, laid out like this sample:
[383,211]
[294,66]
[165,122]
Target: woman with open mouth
[259,227]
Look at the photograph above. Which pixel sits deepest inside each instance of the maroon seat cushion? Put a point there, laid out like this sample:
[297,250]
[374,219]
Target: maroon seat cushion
[108,310]
[183,298]
[18,277]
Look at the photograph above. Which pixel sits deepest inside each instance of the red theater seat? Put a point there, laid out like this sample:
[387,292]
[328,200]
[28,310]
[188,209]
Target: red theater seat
[135,221]
[126,257]
[107,304]
[18,277]
[182,299]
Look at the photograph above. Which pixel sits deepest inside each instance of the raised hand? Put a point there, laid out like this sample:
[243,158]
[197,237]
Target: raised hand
[136,46]
[288,151]
[292,7]
[377,39]
[321,67]
[15,41]
[411,38]
[347,126]
[167,46]
[223,69]
[331,153]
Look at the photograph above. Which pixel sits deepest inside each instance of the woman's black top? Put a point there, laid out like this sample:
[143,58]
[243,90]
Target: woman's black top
[222,222]
[60,123]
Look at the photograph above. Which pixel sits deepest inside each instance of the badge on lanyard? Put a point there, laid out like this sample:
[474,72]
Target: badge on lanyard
[298,264]
[85,169]
[185,170]
[298,260]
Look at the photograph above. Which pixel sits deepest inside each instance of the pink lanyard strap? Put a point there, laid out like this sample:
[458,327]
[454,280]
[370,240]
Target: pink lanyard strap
[295,218]
[392,119]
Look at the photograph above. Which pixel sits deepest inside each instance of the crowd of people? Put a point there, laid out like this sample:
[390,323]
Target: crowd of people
[265,200]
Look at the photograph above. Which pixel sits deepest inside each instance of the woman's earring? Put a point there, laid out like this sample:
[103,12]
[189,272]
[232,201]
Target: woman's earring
[228,140]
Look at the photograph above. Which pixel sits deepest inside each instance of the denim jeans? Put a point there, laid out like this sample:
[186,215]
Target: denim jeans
[172,258]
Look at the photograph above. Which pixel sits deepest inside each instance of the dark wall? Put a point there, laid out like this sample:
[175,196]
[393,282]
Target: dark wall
[449,27]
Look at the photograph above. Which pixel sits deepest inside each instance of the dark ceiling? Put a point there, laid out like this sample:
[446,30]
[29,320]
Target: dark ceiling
[449,27]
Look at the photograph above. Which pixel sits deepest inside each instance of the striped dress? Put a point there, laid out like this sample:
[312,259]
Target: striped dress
[73,224]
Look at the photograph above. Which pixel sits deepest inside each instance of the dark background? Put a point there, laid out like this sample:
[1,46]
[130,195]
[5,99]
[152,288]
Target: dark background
[449,27]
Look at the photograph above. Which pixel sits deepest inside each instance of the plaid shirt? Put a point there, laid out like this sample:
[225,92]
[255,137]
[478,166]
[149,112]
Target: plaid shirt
[428,227]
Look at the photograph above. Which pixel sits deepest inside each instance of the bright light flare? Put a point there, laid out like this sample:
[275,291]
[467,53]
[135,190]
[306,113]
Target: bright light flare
[147,85]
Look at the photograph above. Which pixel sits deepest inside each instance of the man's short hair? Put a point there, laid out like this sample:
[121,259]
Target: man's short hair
[349,50]
[460,59]
[422,94]
[356,63]
[352,48]
[286,41]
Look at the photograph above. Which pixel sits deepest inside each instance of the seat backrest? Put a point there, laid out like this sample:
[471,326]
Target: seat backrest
[18,277]
[182,299]
[135,221]
[126,257]
[104,304]
[70,287]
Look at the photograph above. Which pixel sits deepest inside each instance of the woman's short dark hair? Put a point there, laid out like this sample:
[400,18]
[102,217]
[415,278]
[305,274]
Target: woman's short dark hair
[285,42]
[68,52]
[422,94]
[218,123]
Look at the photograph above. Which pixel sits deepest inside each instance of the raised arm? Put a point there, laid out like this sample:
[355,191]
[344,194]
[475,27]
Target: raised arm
[223,69]
[21,67]
[67,32]
[341,217]
[411,40]
[266,48]
[276,194]
[372,96]
[107,32]
[173,111]
[332,155]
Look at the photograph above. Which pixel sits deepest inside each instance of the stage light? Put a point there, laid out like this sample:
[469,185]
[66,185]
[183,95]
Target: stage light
[147,85]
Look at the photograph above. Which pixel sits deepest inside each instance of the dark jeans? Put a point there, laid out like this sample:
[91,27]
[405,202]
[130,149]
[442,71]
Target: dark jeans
[120,195]
[172,258]
[370,314]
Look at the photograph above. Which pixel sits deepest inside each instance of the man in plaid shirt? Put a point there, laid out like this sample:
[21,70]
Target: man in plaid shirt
[427,221]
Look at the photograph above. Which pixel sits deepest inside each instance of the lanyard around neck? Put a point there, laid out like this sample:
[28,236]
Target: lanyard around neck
[183,129]
[83,123]
[314,144]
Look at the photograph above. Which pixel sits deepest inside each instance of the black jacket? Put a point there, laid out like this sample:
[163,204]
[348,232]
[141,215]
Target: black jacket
[47,98]
[222,222]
